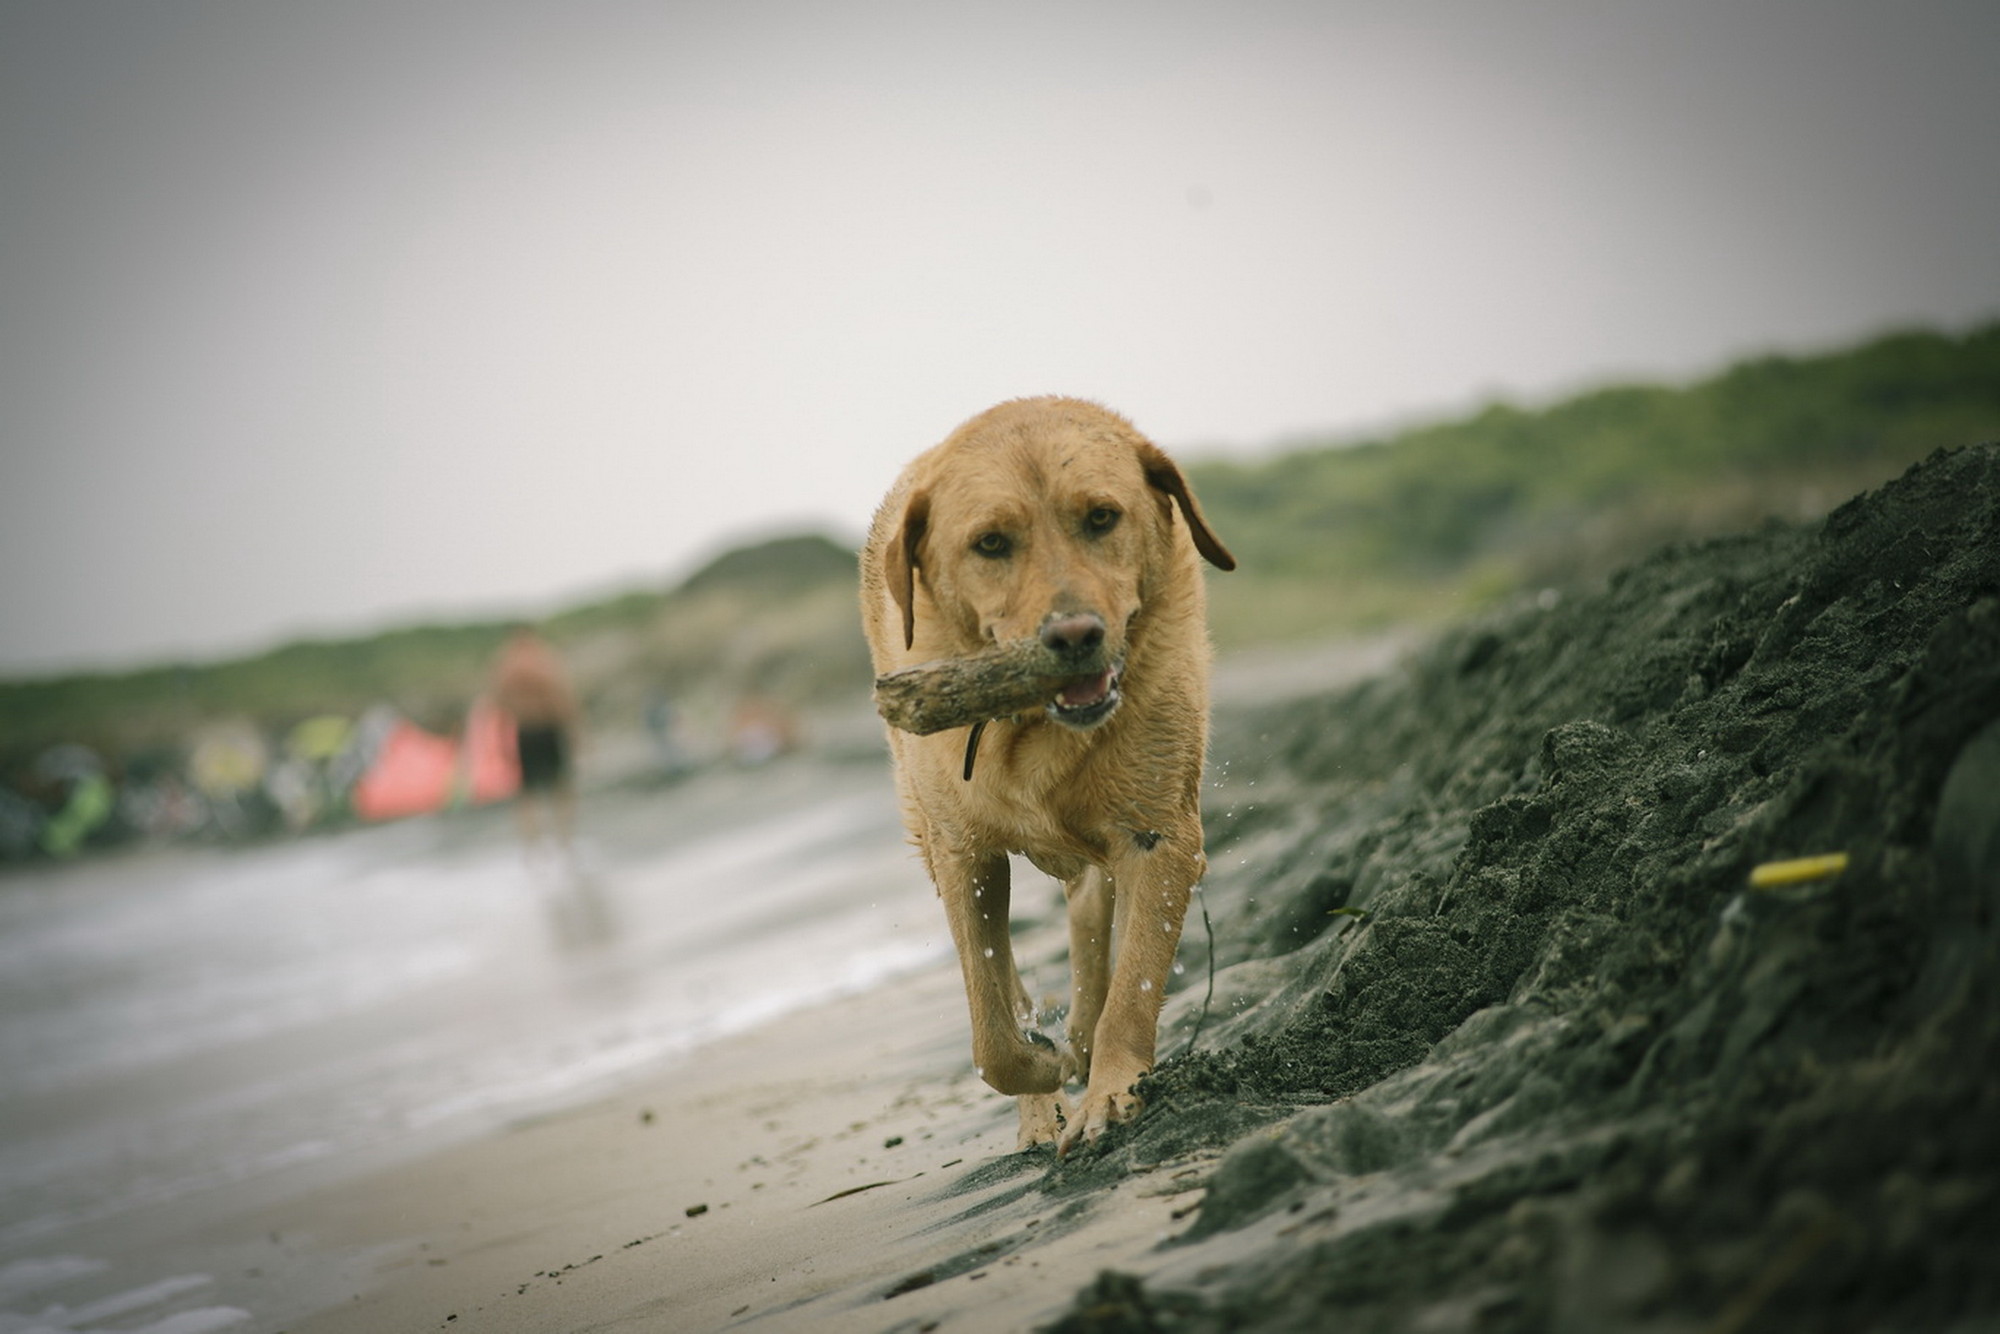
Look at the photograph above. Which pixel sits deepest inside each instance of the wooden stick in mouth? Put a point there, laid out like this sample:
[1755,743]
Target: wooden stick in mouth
[996,683]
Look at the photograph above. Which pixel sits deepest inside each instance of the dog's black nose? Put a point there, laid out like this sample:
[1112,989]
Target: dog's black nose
[1074,636]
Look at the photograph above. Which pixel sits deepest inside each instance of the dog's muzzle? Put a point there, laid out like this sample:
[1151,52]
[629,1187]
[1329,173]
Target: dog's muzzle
[1086,701]
[1091,696]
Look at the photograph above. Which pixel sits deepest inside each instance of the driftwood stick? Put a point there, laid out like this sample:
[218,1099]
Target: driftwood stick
[957,692]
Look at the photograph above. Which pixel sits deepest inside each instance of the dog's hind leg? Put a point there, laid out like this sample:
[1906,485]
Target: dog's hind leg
[1090,898]
[1042,1118]
[1151,887]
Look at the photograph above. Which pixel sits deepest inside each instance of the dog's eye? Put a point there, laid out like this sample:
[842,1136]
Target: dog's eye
[993,546]
[1100,520]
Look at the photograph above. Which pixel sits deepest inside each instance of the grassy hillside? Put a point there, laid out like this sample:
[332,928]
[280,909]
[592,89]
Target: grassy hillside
[1447,517]
[1431,522]
[422,669]
[778,617]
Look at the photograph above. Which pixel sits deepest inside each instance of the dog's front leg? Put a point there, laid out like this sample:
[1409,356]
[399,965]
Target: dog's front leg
[1150,888]
[974,887]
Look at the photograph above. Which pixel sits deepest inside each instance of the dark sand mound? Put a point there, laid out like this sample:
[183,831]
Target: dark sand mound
[1556,1065]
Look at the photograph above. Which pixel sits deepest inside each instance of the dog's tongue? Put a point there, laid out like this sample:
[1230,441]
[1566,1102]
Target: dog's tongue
[1086,690]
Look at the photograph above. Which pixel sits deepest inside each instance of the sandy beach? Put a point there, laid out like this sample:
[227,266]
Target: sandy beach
[1509,1031]
[840,1169]
[347,1083]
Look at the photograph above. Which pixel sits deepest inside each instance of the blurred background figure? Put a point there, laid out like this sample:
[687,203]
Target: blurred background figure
[301,781]
[531,689]
[21,822]
[228,764]
[663,726]
[87,799]
[760,730]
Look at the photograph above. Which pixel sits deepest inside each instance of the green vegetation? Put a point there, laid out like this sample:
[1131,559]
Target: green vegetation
[1446,517]
[422,669]
[1432,522]
[778,617]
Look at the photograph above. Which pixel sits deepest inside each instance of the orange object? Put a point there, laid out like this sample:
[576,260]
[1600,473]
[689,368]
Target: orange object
[414,773]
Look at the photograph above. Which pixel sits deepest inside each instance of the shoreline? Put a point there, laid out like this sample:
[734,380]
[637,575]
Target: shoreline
[839,1169]
[374,1237]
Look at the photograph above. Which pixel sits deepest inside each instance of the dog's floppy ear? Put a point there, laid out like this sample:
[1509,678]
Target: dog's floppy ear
[1162,475]
[902,562]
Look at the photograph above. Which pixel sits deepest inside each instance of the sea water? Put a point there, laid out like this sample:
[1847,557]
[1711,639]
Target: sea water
[181,1019]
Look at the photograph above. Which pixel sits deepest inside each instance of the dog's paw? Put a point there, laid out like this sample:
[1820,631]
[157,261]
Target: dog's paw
[1043,1116]
[1016,1066]
[1094,1113]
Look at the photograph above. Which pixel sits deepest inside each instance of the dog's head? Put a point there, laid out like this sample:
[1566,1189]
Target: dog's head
[1046,517]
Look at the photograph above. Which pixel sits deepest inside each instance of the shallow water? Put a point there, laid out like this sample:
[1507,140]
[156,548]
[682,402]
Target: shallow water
[176,1020]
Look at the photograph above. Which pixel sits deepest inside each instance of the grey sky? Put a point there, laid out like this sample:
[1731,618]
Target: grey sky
[315,318]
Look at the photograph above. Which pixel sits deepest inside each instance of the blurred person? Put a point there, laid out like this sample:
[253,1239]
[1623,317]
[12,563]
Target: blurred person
[760,730]
[88,798]
[663,725]
[228,764]
[531,688]
[21,824]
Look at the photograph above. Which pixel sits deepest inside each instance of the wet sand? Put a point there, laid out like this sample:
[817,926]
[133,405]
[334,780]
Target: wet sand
[840,1171]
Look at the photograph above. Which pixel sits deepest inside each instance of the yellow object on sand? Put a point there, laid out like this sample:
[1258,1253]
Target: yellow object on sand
[1775,875]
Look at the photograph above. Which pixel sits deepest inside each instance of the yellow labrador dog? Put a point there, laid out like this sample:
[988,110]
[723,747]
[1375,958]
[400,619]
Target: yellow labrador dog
[1053,517]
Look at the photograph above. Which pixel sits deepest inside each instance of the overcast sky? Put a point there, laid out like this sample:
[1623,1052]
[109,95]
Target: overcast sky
[321,317]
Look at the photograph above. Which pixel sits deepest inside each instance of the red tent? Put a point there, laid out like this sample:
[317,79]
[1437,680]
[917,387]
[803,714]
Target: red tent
[414,772]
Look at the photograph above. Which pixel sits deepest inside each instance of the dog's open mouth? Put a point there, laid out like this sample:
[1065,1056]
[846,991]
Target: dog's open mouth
[1087,700]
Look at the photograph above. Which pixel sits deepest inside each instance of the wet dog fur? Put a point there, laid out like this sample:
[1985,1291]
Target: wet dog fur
[1054,517]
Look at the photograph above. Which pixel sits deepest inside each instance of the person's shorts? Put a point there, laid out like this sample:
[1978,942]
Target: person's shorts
[543,758]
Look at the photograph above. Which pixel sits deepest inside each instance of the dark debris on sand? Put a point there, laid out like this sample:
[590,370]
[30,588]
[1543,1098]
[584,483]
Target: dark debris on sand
[1499,1017]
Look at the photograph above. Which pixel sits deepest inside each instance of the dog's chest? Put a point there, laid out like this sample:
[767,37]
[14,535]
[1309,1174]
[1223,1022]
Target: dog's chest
[1048,807]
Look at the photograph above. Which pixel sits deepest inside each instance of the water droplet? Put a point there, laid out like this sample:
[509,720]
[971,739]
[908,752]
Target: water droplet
[1145,984]
[1179,968]
[989,951]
